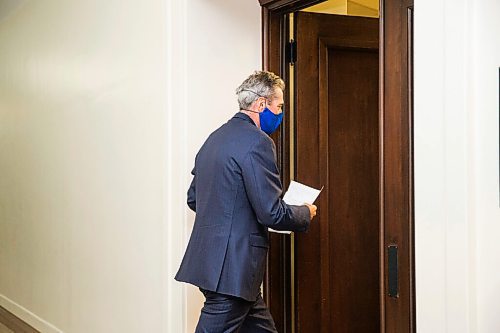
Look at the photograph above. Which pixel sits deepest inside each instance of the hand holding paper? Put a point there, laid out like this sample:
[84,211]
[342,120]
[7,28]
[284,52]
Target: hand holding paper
[299,194]
[312,210]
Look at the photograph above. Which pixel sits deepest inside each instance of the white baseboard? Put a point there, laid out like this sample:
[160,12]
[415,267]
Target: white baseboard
[27,316]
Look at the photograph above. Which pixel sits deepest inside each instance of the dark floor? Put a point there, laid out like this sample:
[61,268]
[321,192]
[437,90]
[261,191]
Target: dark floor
[5,329]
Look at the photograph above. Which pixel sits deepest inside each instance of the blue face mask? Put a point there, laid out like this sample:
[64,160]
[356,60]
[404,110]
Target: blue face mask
[269,121]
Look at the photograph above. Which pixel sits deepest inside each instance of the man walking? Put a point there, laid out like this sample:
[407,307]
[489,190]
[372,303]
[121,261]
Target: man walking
[235,193]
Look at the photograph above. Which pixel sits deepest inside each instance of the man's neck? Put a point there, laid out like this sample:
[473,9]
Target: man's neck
[254,116]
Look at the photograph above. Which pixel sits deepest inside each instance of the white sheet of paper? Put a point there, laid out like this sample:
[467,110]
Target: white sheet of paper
[298,194]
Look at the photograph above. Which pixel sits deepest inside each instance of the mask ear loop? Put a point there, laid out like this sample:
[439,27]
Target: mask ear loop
[262,106]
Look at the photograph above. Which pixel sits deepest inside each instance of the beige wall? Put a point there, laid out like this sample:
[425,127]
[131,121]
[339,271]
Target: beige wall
[82,109]
[103,106]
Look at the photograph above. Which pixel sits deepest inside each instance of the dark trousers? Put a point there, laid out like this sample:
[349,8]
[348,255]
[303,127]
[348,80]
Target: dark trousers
[225,314]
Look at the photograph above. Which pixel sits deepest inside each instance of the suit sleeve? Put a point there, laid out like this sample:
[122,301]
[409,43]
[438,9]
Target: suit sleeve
[191,194]
[263,188]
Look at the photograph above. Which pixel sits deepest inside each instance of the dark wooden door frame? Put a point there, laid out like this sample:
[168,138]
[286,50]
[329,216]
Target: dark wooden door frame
[396,163]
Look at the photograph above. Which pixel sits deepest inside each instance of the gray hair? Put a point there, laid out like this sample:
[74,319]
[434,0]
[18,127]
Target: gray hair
[259,84]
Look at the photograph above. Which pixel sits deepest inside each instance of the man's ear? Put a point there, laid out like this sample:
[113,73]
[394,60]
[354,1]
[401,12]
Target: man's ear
[262,102]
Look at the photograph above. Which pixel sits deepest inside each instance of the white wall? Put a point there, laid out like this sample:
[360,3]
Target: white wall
[456,165]
[82,109]
[441,172]
[484,156]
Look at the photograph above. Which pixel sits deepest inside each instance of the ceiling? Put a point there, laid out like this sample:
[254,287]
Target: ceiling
[347,7]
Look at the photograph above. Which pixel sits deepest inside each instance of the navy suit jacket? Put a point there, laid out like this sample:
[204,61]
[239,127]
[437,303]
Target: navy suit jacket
[236,194]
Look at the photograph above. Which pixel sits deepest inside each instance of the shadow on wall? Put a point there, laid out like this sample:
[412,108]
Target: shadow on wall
[9,7]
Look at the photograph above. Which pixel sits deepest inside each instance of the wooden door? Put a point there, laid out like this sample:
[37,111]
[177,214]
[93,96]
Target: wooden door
[396,253]
[337,263]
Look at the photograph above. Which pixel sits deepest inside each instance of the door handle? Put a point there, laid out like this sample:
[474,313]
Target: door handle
[392,276]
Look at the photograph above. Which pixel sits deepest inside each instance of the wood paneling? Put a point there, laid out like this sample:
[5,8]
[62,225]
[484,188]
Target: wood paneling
[397,177]
[354,184]
[337,261]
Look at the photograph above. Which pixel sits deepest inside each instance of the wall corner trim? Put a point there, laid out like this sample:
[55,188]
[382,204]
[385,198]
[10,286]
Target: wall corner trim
[27,316]
[175,299]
